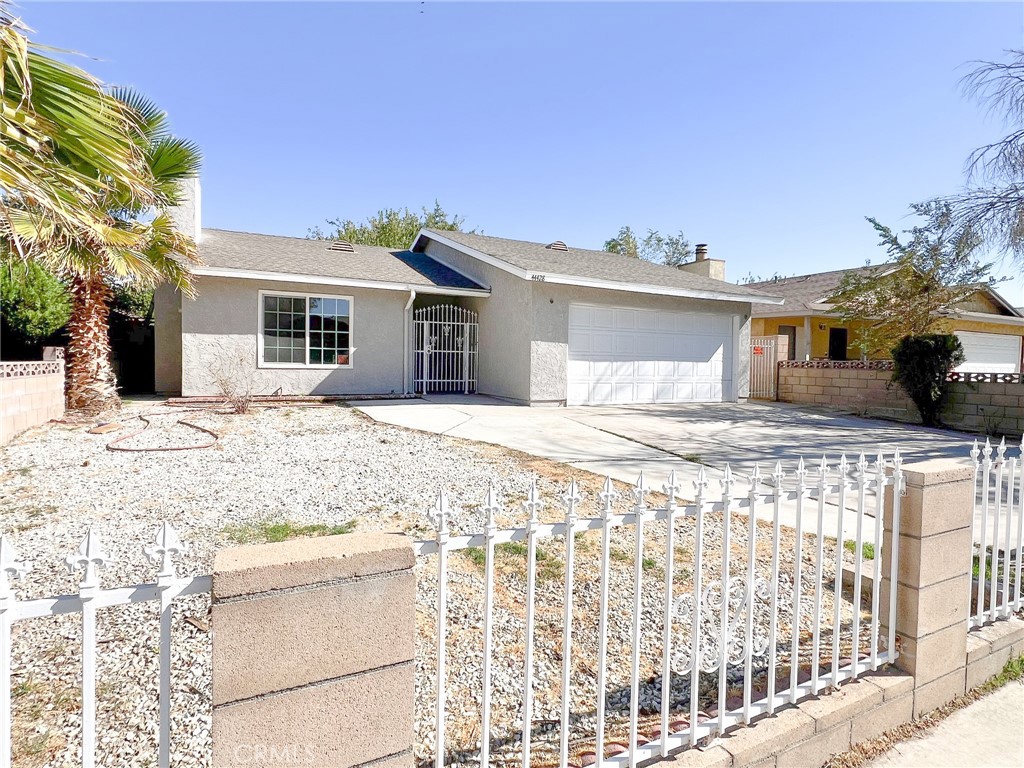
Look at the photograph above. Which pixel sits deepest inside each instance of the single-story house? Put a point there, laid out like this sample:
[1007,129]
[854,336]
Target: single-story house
[988,326]
[534,323]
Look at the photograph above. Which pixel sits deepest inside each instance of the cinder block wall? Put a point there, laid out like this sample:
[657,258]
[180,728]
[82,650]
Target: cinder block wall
[986,407]
[28,400]
[313,653]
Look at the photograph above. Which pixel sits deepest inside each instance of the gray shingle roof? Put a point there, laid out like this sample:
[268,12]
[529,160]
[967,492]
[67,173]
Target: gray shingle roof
[593,265]
[802,291]
[221,248]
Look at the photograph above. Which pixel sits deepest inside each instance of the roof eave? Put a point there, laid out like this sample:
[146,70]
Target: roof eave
[291,277]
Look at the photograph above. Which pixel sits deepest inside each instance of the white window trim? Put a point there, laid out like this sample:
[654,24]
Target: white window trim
[307,365]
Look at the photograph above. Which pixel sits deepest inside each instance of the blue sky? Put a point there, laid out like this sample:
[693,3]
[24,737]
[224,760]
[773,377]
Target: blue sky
[767,130]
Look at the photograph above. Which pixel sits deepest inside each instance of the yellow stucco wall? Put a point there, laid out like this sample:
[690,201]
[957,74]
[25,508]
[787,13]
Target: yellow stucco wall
[769,326]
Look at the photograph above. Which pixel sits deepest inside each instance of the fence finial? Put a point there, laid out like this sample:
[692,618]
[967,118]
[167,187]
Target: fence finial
[987,450]
[165,545]
[862,465]
[533,502]
[491,507]
[778,474]
[801,471]
[90,556]
[608,495]
[572,498]
[756,478]
[1001,450]
[823,468]
[727,479]
[640,490]
[976,452]
[701,483]
[11,565]
[671,488]
[438,514]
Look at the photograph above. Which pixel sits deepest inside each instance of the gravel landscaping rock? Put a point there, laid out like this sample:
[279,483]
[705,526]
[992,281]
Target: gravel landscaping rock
[327,466]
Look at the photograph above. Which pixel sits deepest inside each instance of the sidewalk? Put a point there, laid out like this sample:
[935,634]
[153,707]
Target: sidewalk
[987,734]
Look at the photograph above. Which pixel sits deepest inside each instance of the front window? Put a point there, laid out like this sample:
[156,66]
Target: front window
[306,330]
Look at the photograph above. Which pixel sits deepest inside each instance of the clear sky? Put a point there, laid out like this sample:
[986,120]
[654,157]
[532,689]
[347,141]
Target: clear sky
[766,130]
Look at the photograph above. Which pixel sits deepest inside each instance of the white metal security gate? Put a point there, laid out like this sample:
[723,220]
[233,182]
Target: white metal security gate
[446,340]
[764,354]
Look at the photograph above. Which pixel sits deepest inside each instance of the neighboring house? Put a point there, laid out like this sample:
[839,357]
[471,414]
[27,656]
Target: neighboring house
[528,322]
[987,325]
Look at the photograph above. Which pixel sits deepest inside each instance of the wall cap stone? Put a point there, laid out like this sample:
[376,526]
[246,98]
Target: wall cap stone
[938,472]
[259,568]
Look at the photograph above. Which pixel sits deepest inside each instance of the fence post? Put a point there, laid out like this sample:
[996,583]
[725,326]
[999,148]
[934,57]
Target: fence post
[313,652]
[934,580]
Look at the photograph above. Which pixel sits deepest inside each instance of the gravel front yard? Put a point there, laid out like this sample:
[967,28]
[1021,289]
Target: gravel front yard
[304,466]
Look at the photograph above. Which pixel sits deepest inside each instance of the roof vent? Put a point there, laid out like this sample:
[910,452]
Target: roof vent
[341,245]
[558,245]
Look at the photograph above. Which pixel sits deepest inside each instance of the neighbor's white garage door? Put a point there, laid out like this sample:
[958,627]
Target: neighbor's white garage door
[990,352]
[628,355]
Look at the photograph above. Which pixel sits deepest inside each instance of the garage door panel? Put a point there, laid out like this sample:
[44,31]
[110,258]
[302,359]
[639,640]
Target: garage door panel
[634,355]
[990,352]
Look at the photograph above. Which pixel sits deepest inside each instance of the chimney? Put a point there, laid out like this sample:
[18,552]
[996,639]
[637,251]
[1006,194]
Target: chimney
[703,266]
[187,214]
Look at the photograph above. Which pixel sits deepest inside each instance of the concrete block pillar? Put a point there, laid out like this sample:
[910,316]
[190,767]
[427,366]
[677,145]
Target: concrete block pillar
[313,653]
[934,579]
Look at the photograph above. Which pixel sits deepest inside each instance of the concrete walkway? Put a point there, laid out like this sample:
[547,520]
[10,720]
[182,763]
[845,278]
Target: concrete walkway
[623,441]
[986,734]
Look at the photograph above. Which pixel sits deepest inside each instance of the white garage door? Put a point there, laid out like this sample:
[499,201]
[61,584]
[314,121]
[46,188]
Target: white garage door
[990,352]
[628,355]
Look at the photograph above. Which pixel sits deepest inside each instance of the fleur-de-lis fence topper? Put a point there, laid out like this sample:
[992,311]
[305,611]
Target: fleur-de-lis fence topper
[11,566]
[91,557]
[438,515]
[165,545]
[533,504]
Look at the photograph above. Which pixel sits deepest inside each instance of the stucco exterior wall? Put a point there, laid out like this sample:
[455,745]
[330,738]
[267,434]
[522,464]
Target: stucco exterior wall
[167,340]
[505,324]
[220,330]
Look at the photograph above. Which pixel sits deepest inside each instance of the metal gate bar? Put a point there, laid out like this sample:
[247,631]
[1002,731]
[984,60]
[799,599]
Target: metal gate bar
[446,339]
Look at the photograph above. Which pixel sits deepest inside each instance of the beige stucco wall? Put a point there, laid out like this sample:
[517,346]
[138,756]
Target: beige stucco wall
[31,393]
[167,340]
[220,329]
[505,324]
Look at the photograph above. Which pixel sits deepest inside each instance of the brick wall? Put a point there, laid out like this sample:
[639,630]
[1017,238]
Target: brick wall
[974,406]
[31,393]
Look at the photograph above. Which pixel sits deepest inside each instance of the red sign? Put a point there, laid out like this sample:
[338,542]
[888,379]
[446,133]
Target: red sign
[758,350]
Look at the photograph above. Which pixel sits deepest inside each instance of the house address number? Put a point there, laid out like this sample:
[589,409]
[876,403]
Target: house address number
[538,278]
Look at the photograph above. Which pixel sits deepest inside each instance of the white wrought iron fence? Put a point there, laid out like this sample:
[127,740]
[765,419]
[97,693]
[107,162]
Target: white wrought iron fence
[736,617]
[998,532]
[91,597]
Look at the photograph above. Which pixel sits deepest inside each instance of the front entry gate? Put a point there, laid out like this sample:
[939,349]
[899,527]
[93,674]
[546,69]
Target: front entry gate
[763,363]
[446,339]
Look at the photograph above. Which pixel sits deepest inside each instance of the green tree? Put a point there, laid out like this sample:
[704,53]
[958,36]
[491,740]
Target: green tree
[140,247]
[672,250]
[992,204]
[33,303]
[928,275]
[389,228]
[921,366]
[64,143]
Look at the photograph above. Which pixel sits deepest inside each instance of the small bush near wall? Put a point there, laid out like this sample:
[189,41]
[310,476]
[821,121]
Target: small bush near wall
[921,367]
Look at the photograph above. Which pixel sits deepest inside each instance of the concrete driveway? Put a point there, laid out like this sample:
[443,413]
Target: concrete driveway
[622,441]
[631,438]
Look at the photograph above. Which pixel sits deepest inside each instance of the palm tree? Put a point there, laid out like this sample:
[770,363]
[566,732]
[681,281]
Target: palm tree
[45,104]
[139,245]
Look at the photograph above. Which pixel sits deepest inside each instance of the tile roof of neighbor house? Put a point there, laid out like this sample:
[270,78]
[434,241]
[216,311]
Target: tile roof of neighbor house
[803,291]
[592,265]
[245,251]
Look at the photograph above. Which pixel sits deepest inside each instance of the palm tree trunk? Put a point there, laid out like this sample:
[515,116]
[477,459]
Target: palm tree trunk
[91,384]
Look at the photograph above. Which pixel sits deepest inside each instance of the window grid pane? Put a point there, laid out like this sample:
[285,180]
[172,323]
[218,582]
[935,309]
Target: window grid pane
[331,346]
[284,329]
